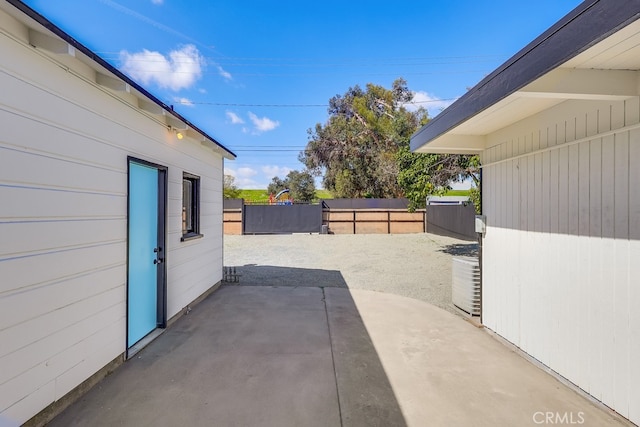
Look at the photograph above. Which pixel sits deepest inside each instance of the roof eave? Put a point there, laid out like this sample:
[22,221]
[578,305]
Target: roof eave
[589,23]
[40,19]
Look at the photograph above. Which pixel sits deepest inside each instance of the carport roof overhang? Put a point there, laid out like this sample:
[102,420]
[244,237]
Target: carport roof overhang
[592,53]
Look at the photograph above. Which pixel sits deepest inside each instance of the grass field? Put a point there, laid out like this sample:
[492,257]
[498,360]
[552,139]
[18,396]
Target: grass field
[457,193]
[261,196]
[254,195]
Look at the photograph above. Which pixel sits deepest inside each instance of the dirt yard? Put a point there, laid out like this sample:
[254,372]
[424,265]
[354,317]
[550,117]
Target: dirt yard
[411,265]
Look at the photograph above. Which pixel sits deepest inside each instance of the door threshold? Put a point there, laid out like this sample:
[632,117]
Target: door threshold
[134,349]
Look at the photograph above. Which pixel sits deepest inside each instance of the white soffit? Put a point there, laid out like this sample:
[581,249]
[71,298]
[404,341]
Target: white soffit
[605,71]
[619,51]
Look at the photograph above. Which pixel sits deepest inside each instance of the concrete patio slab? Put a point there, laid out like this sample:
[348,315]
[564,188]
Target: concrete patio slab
[244,356]
[305,356]
[443,370]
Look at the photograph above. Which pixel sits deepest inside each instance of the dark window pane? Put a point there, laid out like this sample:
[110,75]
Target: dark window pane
[190,204]
[187,206]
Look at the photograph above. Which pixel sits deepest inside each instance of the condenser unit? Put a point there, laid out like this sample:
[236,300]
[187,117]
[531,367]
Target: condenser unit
[466,285]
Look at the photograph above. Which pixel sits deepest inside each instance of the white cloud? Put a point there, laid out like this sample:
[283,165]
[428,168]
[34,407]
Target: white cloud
[157,1]
[244,177]
[432,103]
[235,119]
[271,171]
[263,124]
[258,176]
[246,172]
[180,70]
[183,101]
[225,74]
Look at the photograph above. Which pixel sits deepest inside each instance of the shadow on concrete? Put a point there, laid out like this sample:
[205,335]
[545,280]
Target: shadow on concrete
[460,249]
[254,353]
[366,395]
[268,275]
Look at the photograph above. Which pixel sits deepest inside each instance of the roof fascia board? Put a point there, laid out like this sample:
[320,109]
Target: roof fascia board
[589,23]
[74,44]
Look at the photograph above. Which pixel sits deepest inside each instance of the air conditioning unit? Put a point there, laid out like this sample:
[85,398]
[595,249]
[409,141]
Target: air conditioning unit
[466,285]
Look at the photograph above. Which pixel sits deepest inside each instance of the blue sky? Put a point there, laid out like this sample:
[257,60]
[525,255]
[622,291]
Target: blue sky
[256,75]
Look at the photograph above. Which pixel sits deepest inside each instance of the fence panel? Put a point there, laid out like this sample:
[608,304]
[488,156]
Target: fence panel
[452,220]
[275,219]
[232,216]
[348,216]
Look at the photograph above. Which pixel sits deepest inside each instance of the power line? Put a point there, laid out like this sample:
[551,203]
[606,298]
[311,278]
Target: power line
[310,65]
[351,61]
[234,104]
[230,104]
[325,73]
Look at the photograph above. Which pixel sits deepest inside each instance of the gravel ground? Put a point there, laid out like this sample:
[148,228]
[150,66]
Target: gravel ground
[411,265]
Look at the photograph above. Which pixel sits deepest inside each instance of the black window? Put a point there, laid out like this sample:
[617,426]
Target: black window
[190,206]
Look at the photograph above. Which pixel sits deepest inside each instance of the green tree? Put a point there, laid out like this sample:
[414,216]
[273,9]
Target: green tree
[475,197]
[363,148]
[300,184]
[422,175]
[355,149]
[229,190]
[276,185]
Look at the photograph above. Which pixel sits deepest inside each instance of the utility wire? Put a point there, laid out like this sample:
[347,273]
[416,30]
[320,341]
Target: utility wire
[463,59]
[233,104]
[325,74]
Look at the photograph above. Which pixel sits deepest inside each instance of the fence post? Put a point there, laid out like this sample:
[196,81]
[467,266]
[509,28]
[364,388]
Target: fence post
[242,217]
[354,221]
[424,221]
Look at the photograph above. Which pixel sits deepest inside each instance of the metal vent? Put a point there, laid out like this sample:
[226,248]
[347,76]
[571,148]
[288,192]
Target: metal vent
[466,285]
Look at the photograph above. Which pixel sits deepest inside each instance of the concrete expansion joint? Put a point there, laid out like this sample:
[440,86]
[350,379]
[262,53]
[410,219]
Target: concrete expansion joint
[333,359]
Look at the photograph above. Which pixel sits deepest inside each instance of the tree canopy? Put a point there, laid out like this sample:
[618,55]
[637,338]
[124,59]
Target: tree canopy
[363,148]
[230,191]
[300,184]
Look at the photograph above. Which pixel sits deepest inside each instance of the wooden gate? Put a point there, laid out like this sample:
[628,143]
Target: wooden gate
[281,219]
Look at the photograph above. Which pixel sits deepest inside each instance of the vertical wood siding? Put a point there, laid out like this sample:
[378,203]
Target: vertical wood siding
[63,216]
[562,247]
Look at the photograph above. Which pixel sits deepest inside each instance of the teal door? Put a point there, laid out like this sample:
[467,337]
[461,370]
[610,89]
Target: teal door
[146,256]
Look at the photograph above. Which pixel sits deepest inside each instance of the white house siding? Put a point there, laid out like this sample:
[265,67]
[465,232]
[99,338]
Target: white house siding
[561,254]
[63,222]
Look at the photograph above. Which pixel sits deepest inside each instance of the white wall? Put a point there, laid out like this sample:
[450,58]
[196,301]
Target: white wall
[561,255]
[63,206]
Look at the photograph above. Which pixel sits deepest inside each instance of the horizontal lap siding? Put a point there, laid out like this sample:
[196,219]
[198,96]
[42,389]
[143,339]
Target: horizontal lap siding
[63,225]
[561,251]
[204,256]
